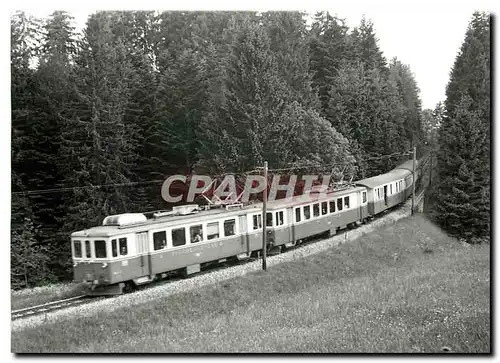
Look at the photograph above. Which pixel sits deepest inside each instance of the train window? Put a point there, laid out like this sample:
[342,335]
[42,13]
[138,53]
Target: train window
[324,208]
[213,230]
[339,204]
[364,197]
[391,188]
[77,247]
[257,221]
[123,246]
[159,240]
[346,202]
[196,233]
[269,219]
[316,210]
[100,249]
[297,214]
[332,206]
[87,249]
[280,218]
[307,212]
[178,237]
[229,227]
[114,248]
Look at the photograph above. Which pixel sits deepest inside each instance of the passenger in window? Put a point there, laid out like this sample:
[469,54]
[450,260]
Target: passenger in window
[123,250]
[228,229]
[163,244]
[196,238]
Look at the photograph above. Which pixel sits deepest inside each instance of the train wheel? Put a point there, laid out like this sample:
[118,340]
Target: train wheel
[129,287]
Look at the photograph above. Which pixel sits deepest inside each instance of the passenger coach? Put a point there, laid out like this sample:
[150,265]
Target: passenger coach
[388,190]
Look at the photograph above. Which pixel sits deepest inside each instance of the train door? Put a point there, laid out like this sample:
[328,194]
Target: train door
[385,195]
[142,249]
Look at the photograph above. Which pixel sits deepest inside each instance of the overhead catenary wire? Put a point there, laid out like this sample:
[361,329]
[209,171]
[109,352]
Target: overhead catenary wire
[255,170]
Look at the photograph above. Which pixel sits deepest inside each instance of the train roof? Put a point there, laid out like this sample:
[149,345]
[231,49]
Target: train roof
[408,165]
[201,216]
[378,180]
[206,215]
[312,197]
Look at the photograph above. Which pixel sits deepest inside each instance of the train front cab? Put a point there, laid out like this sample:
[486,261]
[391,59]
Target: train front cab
[104,262]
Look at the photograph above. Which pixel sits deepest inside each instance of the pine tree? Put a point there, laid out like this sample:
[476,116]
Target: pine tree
[289,44]
[54,76]
[236,133]
[330,49]
[408,91]
[463,198]
[98,142]
[28,260]
[463,193]
[365,44]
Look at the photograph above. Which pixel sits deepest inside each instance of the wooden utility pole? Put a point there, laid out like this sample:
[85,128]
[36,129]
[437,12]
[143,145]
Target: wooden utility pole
[264,220]
[414,180]
[432,150]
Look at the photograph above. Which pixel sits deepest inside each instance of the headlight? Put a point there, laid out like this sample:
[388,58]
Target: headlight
[104,265]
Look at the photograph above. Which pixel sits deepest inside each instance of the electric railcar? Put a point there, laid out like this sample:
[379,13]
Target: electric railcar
[131,249]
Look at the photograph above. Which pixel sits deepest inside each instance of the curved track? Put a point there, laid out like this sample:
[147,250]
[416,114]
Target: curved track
[48,307]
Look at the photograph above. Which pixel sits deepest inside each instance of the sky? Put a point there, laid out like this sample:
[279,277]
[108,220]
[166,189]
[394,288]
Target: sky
[425,35]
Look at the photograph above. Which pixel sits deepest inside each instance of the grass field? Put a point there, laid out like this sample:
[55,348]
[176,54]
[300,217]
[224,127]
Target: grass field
[41,295]
[405,288]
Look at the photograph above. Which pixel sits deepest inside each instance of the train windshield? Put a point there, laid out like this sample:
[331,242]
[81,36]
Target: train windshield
[100,249]
[77,249]
[91,248]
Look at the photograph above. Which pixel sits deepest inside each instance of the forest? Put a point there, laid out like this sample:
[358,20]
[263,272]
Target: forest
[101,117]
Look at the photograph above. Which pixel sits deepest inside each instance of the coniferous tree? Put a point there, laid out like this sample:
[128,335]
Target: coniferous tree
[244,130]
[463,198]
[410,102]
[289,43]
[27,257]
[54,76]
[329,50]
[98,142]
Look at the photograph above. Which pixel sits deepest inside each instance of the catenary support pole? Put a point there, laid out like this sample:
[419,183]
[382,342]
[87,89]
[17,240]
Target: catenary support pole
[432,151]
[264,219]
[414,180]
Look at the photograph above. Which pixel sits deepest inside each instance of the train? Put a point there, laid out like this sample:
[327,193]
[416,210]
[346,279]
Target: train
[133,249]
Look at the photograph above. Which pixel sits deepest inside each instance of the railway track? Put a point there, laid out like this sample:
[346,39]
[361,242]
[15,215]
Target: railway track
[49,307]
